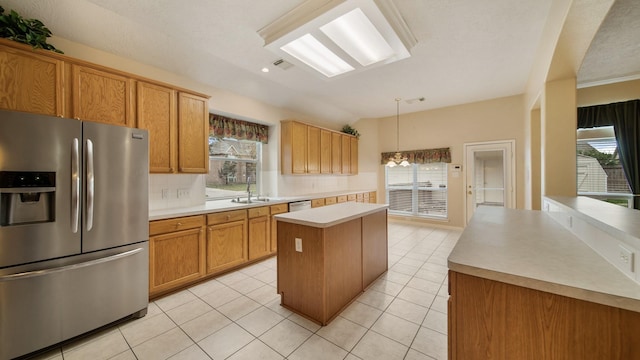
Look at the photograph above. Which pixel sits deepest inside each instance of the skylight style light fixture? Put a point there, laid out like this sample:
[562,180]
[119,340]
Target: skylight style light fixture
[398,159]
[311,52]
[358,37]
[336,37]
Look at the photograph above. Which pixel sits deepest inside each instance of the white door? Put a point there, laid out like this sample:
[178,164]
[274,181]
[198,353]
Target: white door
[490,175]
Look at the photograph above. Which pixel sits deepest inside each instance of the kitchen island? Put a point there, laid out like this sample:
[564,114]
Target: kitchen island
[327,256]
[522,286]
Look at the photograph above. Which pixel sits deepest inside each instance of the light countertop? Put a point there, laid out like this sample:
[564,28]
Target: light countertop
[530,249]
[224,205]
[327,216]
[619,222]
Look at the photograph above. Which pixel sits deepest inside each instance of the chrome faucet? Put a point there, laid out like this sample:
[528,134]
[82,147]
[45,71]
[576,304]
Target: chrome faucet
[248,188]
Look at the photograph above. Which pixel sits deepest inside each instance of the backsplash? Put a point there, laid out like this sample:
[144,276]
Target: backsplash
[167,191]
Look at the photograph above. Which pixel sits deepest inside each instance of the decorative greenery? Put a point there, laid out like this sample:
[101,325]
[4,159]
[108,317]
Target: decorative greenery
[347,129]
[603,158]
[27,31]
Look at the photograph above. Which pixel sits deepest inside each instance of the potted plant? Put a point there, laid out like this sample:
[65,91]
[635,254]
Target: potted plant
[347,129]
[27,31]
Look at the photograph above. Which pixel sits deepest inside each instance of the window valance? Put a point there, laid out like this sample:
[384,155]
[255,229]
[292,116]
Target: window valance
[424,156]
[222,126]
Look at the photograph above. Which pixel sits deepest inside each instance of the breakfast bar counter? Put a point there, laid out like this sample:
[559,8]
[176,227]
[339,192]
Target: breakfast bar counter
[522,286]
[327,256]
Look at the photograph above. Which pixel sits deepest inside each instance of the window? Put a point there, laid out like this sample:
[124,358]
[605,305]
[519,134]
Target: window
[599,171]
[417,190]
[233,164]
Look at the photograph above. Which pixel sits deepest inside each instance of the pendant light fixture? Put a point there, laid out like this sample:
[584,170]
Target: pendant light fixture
[398,159]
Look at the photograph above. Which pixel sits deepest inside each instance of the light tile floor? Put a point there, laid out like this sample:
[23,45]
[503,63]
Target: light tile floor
[238,315]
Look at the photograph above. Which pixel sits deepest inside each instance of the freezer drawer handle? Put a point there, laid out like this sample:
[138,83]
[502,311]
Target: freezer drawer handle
[90,184]
[37,273]
[75,186]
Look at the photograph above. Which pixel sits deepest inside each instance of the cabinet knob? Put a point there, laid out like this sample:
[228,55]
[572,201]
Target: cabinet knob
[77,118]
[178,224]
[228,217]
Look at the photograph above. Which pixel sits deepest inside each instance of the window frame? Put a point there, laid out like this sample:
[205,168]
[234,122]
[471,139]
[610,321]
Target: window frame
[415,188]
[256,184]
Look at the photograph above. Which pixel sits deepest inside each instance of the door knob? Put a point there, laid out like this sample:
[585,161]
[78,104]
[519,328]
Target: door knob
[469,192]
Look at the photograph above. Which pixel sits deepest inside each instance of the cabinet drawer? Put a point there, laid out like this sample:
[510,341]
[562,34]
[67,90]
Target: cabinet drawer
[169,225]
[330,200]
[279,208]
[227,216]
[259,211]
[317,203]
[351,197]
[342,198]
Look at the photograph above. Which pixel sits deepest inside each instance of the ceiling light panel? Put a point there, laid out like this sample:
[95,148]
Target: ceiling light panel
[363,33]
[358,37]
[313,53]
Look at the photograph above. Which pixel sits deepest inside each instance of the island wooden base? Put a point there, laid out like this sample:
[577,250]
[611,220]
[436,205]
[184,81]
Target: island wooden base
[493,320]
[336,264]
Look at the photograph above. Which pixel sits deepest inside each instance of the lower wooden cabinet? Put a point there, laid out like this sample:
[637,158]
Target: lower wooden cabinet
[259,234]
[489,319]
[275,210]
[176,253]
[227,244]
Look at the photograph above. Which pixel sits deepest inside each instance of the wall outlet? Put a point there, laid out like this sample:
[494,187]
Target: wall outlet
[626,258]
[182,193]
[298,244]
[165,193]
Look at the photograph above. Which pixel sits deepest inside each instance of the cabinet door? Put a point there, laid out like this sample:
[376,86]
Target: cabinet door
[30,82]
[336,153]
[259,237]
[313,150]
[157,114]
[298,148]
[101,96]
[275,210]
[353,151]
[325,152]
[346,154]
[175,258]
[226,245]
[193,134]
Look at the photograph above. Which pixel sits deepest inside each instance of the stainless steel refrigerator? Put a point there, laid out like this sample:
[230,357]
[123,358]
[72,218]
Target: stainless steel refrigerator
[73,228]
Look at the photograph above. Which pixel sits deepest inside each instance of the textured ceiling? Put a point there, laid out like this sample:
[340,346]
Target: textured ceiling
[615,50]
[467,50]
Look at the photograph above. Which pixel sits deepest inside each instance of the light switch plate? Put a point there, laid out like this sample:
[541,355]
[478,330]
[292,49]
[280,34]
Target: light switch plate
[626,259]
[298,244]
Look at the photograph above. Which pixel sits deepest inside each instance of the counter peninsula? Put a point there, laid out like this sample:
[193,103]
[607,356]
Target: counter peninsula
[522,286]
[327,256]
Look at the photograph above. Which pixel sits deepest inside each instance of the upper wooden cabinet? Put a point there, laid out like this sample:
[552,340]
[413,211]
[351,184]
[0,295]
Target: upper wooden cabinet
[101,96]
[325,151]
[44,82]
[308,149]
[313,150]
[156,107]
[346,154]
[336,153]
[193,134]
[30,82]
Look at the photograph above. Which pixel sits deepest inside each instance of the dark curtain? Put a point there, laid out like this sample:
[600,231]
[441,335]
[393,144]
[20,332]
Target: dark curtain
[625,118]
[222,126]
[424,156]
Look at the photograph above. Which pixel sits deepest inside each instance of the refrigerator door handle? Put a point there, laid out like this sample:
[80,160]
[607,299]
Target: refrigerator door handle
[90,184]
[37,273]
[75,185]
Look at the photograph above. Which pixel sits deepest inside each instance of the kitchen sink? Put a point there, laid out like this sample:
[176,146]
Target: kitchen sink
[247,201]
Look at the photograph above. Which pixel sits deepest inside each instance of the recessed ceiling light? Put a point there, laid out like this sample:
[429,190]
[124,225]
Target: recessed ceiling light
[265,70]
